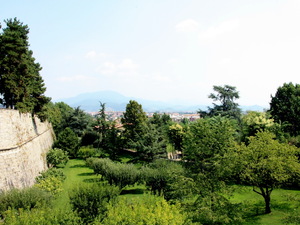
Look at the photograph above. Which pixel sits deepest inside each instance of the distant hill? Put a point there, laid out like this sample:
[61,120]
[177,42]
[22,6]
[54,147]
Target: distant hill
[90,102]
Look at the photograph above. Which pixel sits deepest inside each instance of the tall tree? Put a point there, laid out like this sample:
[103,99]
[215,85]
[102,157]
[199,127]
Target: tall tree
[285,107]
[21,85]
[226,96]
[268,164]
[134,120]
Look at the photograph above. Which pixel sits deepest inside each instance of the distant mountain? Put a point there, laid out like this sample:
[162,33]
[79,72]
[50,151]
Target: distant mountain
[90,102]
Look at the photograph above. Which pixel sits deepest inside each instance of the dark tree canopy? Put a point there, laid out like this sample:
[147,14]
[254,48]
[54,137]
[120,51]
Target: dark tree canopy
[134,120]
[21,86]
[285,107]
[226,96]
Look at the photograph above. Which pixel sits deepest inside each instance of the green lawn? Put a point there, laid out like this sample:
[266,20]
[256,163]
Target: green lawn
[283,202]
[76,172]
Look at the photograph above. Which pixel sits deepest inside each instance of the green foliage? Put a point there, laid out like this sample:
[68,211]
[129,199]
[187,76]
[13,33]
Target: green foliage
[86,152]
[91,200]
[118,174]
[52,172]
[51,180]
[145,211]
[176,134]
[68,141]
[21,85]
[57,157]
[226,95]
[150,144]
[285,107]
[43,216]
[207,144]
[134,119]
[52,185]
[167,178]
[268,164]
[27,198]
[78,121]
[89,138]
[215,209]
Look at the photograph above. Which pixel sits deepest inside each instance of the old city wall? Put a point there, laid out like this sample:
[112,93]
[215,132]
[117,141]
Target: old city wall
[24,142]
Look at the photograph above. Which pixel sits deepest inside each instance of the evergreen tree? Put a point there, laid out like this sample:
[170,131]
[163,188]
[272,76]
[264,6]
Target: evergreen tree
[134,121]
[21,86]
[226,96]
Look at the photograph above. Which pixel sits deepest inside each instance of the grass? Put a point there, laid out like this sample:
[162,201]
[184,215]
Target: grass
[76,172]
[283,202]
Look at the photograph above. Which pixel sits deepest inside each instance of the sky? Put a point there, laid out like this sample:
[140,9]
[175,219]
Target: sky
[167,50]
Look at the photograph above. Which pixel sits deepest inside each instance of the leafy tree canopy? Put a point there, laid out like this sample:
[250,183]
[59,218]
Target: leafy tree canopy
[226,96]
[268,164]
[285,107]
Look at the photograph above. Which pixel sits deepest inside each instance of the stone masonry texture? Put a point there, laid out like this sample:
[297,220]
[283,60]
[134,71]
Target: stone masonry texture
[24,143]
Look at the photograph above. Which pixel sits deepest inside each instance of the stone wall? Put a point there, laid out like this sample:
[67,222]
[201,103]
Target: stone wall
[24,142]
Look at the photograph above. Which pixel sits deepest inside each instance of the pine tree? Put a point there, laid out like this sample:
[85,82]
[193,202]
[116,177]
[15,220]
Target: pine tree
[21,86]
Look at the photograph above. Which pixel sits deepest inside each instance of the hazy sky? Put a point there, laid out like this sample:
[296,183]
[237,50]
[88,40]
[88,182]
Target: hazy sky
[163,49]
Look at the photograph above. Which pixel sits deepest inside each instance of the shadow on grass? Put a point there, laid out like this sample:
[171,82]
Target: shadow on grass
[79,166]
[86,174]
[132,191]
[92,180]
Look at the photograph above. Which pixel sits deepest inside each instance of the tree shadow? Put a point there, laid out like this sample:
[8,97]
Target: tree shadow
[86,174]
[79,166]
[133,191]
[92,180]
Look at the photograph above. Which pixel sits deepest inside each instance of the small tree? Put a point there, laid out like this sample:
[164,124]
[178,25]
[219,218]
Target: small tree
[91,200]
[57,156]
[268,164]
[68,141]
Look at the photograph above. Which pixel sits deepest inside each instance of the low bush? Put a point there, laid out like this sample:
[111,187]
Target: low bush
[118,174]
[91,200]
[86,152]
[57,157]
[27,198]
[148,210]
[51,180]
[43,216]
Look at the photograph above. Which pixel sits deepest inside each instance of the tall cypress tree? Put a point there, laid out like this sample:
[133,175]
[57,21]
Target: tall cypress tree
[21,86]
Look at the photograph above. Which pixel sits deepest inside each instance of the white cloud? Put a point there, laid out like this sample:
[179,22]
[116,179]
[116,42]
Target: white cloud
[127,67]
[222,28]
[188,25]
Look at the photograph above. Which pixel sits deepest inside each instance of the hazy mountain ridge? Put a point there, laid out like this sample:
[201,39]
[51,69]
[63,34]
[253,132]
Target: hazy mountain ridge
[115,101]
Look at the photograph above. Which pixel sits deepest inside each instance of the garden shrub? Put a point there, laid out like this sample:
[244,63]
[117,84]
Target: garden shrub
[43,216]
[118,174]
[57,157]
[27,198]
[149,210]
[86,152]
[167,178]
[52,172]
[91,200]
[51,180]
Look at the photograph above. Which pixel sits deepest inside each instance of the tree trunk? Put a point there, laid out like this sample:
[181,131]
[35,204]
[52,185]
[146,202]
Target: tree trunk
[267,198]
